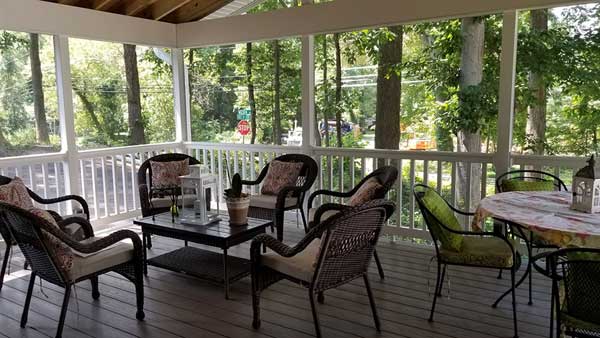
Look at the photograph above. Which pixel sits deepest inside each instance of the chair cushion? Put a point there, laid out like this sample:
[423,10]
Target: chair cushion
[300,266]
[166,174]
[324,216]
[438,207]
[86,264]
[366,192]
[280,175]
[270,201]
[62,253]
[15,192]
[520,185]
[484,251]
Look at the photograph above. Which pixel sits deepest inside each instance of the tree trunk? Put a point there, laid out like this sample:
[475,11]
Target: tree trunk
[41,125]
[91,110]
[325,94]
[251,100]
[389,92]
[338,89]
[4,145]
[536,112]
[471,74]
[134,106]
[277,91]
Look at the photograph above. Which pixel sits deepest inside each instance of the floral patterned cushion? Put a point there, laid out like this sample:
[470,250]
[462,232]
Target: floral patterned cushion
[166,174]
[482,251]
[366,192]
[280,175]
[436,205]
[15,192]
[60,252]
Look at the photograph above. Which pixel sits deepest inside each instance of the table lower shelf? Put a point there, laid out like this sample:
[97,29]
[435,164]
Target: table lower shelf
[203,264]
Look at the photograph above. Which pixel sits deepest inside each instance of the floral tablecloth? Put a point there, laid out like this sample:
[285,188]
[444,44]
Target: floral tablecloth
[545,213]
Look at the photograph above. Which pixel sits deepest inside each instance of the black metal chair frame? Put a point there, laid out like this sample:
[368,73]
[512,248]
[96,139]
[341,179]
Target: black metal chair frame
[419,191]
[59,219]
[516,229]
[308,175]
[556,266]
[26,229]
[145,187]
[386,175]
[339,261]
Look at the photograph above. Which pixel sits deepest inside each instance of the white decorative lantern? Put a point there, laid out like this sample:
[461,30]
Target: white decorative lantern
[586,188]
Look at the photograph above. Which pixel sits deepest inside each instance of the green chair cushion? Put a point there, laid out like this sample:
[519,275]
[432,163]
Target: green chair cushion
[437,206]
[481,251]
[519,185]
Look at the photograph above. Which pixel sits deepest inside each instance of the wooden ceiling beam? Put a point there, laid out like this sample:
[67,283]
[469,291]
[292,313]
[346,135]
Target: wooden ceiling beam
[70,2]
[195,10]
[104,5]
[136,6]
[162,8]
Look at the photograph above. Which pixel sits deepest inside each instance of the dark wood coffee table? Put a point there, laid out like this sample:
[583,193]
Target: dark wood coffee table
[208,265]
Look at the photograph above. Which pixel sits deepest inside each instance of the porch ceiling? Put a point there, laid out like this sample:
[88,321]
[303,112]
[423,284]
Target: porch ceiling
[172,11]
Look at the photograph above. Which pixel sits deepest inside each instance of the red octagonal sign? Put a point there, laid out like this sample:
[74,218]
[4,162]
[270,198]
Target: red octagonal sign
[243,127]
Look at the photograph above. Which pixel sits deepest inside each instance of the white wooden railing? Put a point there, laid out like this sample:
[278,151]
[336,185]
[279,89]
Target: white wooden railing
[108,177]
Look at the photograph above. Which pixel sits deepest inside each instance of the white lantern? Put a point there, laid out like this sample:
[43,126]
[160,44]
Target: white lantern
[586,188]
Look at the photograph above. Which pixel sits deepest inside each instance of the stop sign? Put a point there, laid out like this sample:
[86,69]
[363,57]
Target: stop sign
[243,127]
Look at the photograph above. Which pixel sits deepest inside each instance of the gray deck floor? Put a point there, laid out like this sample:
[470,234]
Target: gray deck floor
[180,306]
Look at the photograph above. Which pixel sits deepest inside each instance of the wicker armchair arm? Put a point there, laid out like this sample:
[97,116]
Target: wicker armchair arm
[328,207]
[84,223]
[109,240]
[315,194]
[259,179]
[79,199]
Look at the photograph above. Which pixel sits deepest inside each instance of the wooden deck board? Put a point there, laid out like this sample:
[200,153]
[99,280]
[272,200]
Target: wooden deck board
[177,305]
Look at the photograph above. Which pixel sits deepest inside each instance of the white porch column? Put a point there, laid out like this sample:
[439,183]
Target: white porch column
[308,90]
[68,138]
[183,130]
[308,93]
[506,96]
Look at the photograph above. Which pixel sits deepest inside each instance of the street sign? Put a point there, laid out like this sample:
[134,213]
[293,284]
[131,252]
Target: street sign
[244,114]
[243,127]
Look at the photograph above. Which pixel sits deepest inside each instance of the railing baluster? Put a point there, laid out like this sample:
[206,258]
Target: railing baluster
[133,181]
[439,177]
[104,188]
[341,175]
[236,162]
[453,184]
[94,190]
[220,174]
[57,182]
[352,162]
[399,187]
[82,174]
[411,198]
[114,185]
[426,172]
[467,192]
[484,170]
[124,180]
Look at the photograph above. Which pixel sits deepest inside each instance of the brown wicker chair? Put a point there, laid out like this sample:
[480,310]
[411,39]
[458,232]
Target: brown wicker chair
[151,201]
[386,176]
[331,254]
[98,256]
[70,224]
[289,198]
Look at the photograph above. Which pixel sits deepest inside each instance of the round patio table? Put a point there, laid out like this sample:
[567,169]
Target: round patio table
[545,213]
